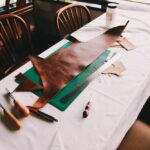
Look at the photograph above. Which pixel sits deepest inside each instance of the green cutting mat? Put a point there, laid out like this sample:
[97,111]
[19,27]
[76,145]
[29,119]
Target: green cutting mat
[67,95]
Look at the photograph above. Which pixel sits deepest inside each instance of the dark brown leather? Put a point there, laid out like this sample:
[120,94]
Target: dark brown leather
[57,71]
[26,84]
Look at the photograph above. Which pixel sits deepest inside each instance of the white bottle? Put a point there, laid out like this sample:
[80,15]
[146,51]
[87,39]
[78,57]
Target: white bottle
[111,14]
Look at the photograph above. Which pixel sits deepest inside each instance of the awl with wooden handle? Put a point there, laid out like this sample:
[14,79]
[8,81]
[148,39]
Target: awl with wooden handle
[19,105]
[11,117]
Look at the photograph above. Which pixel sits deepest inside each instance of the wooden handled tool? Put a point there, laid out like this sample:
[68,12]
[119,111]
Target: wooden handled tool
[11,117]
[21,107]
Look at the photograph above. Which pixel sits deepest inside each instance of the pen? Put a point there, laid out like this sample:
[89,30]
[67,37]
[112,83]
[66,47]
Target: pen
[87,110]
[42,114]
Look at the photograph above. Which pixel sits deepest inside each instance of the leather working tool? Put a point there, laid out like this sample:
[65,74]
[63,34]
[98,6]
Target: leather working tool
[15,122]
[25,111]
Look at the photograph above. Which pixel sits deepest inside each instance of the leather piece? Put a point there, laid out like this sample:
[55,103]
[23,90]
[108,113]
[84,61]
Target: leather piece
[58,70]
[116,69]
[126,44]
[26,84]
[71,38]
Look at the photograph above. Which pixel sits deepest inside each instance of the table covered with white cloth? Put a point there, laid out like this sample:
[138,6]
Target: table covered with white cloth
[115,101]
[3,2]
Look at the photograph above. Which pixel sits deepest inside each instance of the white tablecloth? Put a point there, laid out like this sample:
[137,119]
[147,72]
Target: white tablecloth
[116,101]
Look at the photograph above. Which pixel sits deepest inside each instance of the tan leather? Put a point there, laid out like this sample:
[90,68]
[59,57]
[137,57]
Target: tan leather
[117,68]
[137,138]
[126,44]
[58,70]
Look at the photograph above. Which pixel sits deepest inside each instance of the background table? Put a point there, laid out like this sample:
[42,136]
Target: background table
[116,102]
[2,2]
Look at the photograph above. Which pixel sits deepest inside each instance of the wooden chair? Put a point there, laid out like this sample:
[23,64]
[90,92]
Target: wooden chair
[15,43]
[24,9]
[137,138]
[71,17]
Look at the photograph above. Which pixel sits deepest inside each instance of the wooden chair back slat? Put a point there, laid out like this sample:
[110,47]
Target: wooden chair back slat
[4,55]
[78,24]
[65,19]
[6,37]
[72,24]
[77,19]
[71,17]
[63,25]
[69,20]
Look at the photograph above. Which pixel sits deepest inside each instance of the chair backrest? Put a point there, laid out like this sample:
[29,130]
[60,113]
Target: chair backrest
[15,42]
[71,17]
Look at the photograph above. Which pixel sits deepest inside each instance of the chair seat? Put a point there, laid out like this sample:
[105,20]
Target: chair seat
[137,138]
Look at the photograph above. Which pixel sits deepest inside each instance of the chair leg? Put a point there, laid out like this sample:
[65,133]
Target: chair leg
[137,138]
[145,113]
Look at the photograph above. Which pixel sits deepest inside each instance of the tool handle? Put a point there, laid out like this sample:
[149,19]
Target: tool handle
[12,118]
[22,108]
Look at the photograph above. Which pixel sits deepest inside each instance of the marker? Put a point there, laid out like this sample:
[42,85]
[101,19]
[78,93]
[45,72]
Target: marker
[42,114]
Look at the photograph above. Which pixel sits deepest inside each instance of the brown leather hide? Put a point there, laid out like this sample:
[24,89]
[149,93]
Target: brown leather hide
[58,70]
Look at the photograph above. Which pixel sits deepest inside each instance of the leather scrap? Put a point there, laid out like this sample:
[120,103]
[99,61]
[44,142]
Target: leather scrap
[116,68]
[71,38]
[125,43]
[62,67]
[26,84]
[116,43]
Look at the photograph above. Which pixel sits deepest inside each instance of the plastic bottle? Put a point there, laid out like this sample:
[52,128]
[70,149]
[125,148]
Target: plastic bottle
[111,14]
